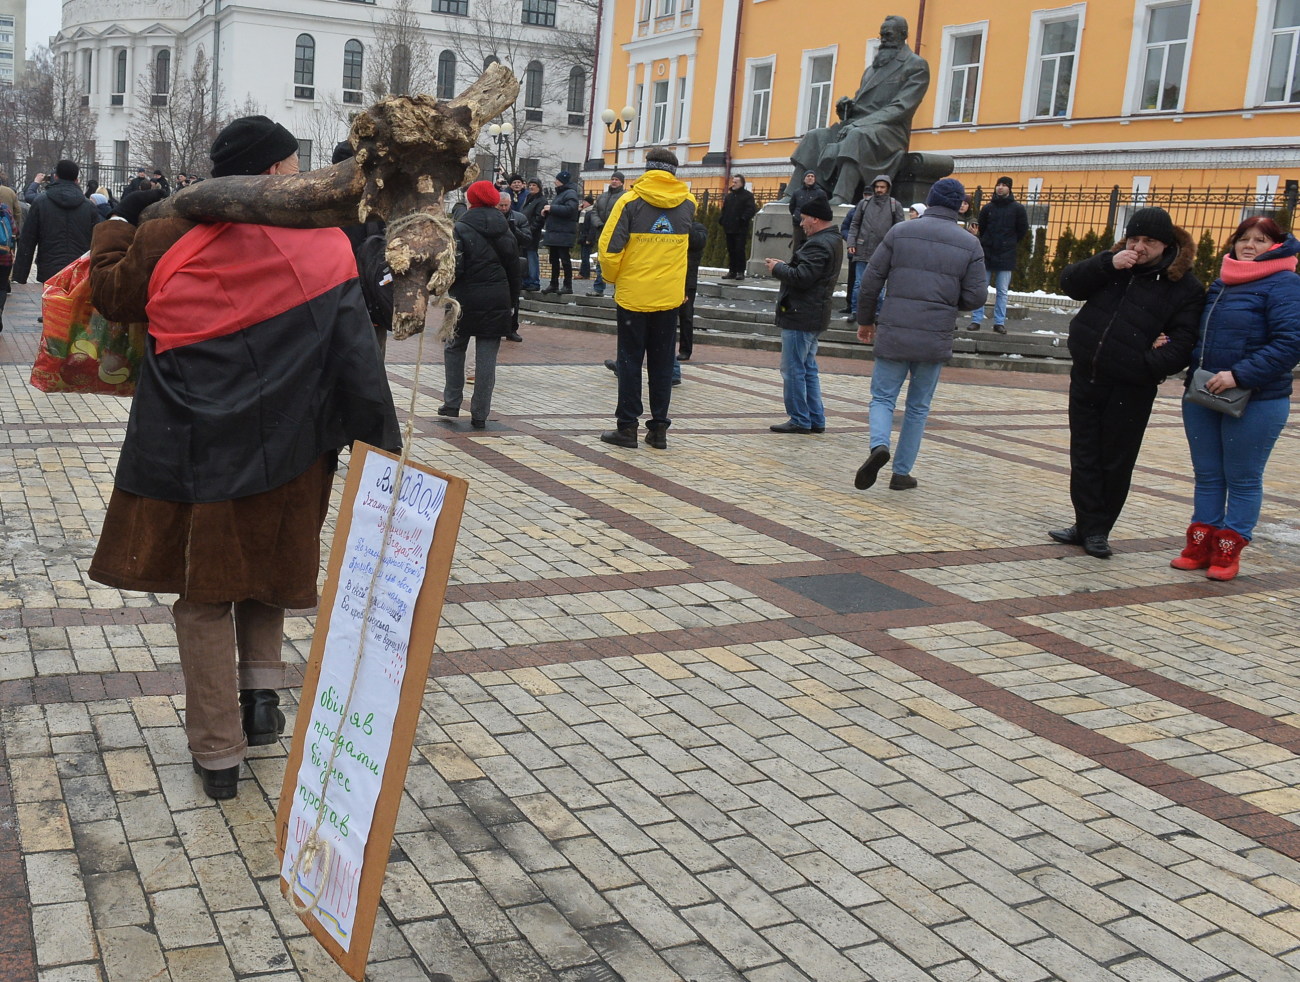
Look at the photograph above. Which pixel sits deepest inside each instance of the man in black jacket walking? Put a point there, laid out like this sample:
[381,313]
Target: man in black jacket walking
[738,211]
[57,228]
[803,311]
[1003,223]
[1142,307]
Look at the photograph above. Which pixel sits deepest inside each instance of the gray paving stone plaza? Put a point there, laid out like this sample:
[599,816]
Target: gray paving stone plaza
[703,715]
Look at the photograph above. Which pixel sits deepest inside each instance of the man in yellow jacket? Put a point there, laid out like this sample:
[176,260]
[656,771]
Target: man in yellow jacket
[643,252]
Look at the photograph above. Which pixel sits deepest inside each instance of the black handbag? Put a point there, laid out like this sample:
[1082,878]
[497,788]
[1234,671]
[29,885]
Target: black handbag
[1230,402]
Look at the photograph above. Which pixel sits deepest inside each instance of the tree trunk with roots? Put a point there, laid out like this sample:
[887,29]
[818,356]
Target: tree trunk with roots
[410,152]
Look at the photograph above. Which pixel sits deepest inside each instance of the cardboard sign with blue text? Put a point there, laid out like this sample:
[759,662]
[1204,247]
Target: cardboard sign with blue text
[362,691]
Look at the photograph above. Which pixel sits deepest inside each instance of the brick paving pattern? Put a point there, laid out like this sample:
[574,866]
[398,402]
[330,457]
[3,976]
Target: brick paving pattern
[707,714]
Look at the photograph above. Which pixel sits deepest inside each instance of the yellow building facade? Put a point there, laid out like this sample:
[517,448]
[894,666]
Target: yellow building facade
[1143,94]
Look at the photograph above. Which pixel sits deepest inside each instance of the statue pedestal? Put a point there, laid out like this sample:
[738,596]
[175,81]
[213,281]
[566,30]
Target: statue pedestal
[774,233]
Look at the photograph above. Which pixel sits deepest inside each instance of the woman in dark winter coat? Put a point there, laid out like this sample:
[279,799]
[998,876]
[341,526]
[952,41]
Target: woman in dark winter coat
[487,288]
[560,232]
[532,210]
[1250,338]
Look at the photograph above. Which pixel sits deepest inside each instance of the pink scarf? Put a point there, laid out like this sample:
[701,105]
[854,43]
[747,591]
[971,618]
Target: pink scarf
[1234,271]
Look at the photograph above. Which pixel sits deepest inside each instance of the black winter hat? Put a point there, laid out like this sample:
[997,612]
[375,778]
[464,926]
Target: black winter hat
[1003,180]
[947,193]
[1154,223]
[250,145]
[342,151]
[818,208]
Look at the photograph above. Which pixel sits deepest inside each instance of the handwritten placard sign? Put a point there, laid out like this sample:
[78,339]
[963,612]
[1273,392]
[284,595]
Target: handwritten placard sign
[374,640]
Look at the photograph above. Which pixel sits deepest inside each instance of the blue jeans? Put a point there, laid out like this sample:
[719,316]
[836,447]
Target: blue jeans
[1228,459]
[857,281]
[856,269]
[887,379]
[599,285]
[533,281]
[800,381]
[1001,280]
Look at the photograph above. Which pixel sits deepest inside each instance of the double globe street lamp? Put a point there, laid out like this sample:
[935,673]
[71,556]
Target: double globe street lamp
[500,132]
[617,124]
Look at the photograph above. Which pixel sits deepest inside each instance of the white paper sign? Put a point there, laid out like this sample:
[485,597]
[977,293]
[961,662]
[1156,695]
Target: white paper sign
[348,804]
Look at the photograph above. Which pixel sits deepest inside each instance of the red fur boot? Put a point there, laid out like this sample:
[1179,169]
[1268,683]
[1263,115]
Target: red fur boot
[1226,556]
[1200,543]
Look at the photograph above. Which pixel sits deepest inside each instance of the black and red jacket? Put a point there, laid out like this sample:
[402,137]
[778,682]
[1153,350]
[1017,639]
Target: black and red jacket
[261,358]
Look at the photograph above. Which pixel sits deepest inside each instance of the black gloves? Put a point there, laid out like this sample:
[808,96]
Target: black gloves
[137,201]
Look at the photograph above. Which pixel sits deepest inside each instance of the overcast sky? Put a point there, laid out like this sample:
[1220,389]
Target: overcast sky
[43,18]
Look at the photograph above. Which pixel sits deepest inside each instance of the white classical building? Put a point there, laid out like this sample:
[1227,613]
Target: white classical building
[308,63]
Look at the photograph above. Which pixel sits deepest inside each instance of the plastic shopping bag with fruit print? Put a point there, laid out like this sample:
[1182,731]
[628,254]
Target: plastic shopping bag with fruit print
[81,350]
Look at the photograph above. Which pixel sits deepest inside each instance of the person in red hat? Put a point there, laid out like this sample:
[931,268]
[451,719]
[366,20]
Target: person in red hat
[487,286]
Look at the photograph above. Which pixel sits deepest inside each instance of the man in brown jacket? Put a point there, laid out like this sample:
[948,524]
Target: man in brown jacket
[260,365]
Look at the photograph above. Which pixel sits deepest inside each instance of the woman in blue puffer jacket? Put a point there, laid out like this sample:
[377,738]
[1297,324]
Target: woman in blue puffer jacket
[1250,338]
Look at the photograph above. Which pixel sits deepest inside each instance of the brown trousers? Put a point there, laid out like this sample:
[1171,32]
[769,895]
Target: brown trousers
[221,654]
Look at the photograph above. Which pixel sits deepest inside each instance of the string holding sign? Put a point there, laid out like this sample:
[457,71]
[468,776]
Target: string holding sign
[315,846]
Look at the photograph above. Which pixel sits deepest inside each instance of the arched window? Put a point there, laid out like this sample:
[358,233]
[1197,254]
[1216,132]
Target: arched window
[577,89]
[304,67]
[162,72]
[533,91]
[353,62]
[118,95]
[400,78]
[446,75]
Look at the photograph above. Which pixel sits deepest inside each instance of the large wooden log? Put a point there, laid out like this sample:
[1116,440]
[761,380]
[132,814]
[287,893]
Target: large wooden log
[410,151]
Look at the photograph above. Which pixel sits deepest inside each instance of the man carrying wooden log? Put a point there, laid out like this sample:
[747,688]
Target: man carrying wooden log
[260,366]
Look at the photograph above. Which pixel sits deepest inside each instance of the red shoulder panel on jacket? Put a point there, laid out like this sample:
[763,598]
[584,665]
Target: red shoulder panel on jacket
[220,279]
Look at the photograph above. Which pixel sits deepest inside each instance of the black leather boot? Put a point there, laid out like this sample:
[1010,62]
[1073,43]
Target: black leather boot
[221,784]
[263,721]
[624,436]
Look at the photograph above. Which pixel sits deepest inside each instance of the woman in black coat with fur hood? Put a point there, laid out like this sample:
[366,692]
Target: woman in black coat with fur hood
[487,287]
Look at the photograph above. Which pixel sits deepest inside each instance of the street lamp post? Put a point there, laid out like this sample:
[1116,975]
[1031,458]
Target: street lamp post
[500,132]
[617,123]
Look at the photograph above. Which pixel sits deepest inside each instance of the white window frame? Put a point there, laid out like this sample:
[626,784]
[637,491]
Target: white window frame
[681,109]
[1137,51]
[659,110]
[950,35]
[117,96]
[1141,190]
[1266,189]
[746,107]
[1261,51]
[806,92]
[1039,20]
[638,103]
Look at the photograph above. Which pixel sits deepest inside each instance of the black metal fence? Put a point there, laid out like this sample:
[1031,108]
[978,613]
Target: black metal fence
[1071,223]
[1105,211]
